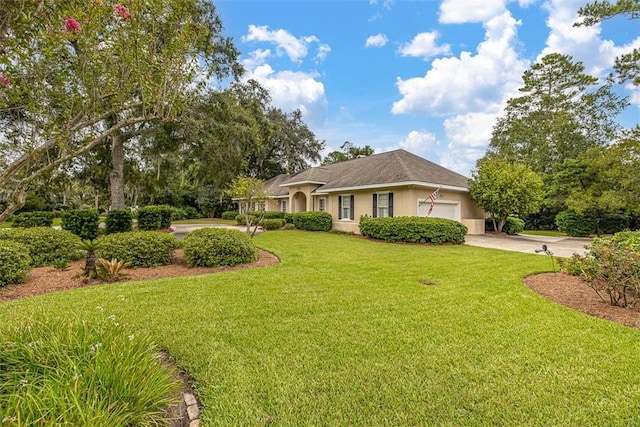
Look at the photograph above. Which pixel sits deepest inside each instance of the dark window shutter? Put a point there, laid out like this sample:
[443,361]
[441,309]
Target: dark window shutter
[339,207]
[390,204]
[375,205]
[352,206]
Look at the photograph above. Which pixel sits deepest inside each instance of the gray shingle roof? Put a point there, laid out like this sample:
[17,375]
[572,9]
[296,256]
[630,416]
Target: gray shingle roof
[272,186]
[392,167]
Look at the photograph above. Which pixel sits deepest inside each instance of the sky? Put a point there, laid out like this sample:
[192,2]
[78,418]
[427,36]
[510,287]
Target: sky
[430,77]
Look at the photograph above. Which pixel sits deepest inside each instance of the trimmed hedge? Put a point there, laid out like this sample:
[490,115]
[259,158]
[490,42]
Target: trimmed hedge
[81,222]
[45,244]
[33,219]
[139,248]
[413,229]
[149,218]
[312,221]
[214,247]
[119,222]
[230,214]
[268,215]
[576,224]
[273,224]
[15,263]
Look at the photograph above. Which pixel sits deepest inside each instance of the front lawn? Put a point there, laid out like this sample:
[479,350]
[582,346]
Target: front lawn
[347,331]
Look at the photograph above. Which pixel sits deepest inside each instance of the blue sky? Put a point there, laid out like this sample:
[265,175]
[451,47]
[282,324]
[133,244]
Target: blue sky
[427,76]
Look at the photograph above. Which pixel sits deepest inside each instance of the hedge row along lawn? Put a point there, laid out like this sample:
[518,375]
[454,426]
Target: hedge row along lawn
[347,331]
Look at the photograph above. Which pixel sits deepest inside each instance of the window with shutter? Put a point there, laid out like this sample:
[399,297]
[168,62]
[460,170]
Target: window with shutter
[382,204]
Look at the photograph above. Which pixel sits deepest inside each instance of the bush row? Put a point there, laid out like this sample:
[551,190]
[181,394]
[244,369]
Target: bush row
[154,217]
[310,221]
[413,229]
[33,219]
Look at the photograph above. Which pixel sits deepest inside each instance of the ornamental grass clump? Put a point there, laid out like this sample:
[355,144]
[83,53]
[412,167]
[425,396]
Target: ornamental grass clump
[214,247]
[71,371]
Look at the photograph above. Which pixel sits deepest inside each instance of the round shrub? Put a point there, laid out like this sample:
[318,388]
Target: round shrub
[513,226]
[312,221]
[118,222]
[33,219]
[289,226]
[413,229]
[149,218]
[138,248]
[213,247]
[81,222]
[229,214]
[45,244]
[15,263]
[576,224]
[273,224]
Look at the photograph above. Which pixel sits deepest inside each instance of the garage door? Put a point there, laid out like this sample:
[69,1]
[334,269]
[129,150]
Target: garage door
[441,210]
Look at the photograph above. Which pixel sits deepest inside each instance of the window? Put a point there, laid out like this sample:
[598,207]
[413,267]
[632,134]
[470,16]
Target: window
[322,204]
[382,204]
[345,207]
[283,205]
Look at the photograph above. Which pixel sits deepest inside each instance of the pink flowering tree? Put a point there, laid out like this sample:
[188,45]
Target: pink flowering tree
[75,75]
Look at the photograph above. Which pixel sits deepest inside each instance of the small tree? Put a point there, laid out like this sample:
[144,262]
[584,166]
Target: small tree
[249,192]
[502,189]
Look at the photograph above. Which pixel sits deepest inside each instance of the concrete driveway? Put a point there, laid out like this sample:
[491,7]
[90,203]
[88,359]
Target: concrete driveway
[560,246]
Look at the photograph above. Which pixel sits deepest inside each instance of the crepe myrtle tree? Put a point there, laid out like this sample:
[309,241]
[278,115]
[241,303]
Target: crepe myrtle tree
[504,188]
[251,196]
[77,74]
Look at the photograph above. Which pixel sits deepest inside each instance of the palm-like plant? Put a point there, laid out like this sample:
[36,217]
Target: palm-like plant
[90,247]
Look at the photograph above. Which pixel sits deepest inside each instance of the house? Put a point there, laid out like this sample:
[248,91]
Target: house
[395,183]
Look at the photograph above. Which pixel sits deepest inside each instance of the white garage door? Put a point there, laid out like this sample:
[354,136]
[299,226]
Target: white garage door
[441,210]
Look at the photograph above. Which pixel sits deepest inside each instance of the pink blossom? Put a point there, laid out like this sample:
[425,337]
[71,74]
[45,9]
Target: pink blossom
[122,11]
[4,79]
[71,25]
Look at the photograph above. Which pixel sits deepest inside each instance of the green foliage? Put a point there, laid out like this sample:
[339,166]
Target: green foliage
[15,264]
[191,212]
[241,219]
[542,220]
[513,226]
[149,218]
[611,267]
[139,249]
[613,223]
[349,152]
[502,188]
[213,247]
[33,219]
[70,371]
[413,229]
[268,214]
[576,224]
[60,264]
[273,224]
[288,217]
[165,216]
[312,221]
[45,244]
[229,214]
[81,222]
[111,270]
[118,222]
[289,226]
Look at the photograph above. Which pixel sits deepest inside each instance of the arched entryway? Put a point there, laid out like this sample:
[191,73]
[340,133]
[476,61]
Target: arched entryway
[299,202]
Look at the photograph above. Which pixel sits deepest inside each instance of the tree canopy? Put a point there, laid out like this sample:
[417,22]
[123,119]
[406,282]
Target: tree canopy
[349,152]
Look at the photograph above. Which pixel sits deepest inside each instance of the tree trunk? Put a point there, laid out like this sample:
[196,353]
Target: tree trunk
[116,176]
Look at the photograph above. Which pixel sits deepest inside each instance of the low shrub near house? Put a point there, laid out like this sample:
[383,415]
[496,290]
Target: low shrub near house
[45,244]
[15,263]
[576,224]
[273,224]
[213,247]
[513,226]
[230,215]
[33,219]
[611,267]
[81,222]
[269,214]
[139,248]
[118,222]
[312,221]
[413,229]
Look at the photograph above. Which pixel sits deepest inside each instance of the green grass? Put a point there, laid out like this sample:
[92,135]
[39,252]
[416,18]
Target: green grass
[551,233]
[347,331]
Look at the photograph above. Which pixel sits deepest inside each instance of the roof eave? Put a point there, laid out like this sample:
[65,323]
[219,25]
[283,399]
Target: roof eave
[291,184]
[391,184]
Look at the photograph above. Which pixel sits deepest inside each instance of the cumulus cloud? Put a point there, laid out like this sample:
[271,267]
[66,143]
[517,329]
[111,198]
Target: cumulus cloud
[379,40]
[424,46]
[323,51]
[418,141]
[470,83]
[468,136]
[463,11]
[296,48]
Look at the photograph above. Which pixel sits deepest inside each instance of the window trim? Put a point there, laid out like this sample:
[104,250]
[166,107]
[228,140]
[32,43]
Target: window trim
[375,209]
[352,203]
[324,199]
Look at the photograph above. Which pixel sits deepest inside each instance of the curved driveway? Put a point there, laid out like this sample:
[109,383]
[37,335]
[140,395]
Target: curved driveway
[562,246]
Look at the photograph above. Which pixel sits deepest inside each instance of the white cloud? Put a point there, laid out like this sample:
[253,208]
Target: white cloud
[469,83]
[296,48]
[419,141]
[323,51]
[379,40]
[463,11]
[468,136]
[424,46]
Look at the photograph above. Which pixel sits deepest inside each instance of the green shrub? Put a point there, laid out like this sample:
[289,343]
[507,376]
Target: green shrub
[74,372]
[229,214]
[289,226]
[613,223]
[312,221]
[192,213]
[513,226]
[139,249]
[81,222]
[178,213]
[289,217]
[273,224]
[540,221]
[15,263]
[33,219]
[241,219]
[413,229]
[268,215]
[118,222]
[212,247]
[165,215]
[576,224]
[45,244]
[149,218]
